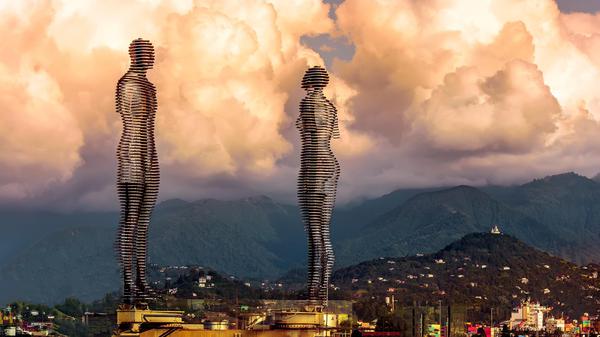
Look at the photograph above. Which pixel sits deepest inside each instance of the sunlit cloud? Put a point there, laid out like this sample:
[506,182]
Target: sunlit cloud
[456,92]
[429,92]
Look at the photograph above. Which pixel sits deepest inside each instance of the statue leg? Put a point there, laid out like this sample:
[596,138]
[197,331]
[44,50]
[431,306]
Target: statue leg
[130,200]
[317,244]
[330,188]
[144,291]
[328,258]
[310,218]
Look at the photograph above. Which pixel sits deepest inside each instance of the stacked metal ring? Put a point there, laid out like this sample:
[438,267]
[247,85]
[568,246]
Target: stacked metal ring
[138,172]
[317,180]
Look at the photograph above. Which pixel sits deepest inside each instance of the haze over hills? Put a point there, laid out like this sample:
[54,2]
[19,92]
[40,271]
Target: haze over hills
[261,238]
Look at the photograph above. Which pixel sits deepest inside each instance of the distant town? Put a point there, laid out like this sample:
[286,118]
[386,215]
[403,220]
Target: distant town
[363,301]
[527,319]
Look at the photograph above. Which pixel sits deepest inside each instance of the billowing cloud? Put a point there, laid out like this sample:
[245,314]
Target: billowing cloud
[39,133]
[456,92]
[437,92]
[224,73]
[510,111]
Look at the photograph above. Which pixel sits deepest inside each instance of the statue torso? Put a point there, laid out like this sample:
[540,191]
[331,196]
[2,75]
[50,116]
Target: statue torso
[136,103]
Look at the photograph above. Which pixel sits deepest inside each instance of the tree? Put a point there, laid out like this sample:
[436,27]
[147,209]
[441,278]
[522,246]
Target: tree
[72,307]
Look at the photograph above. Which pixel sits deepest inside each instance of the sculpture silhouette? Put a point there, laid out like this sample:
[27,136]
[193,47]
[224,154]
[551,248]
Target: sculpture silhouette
[317,181]
[138,173]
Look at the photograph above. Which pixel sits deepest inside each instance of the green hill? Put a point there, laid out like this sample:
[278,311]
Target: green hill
[252,237]
[480,268]
[560,214]
[431,220]
[569,205]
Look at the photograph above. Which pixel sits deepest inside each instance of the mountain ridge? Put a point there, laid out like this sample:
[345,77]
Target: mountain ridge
[259,237]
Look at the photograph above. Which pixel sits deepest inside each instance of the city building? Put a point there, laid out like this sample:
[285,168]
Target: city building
[555,324]
[528,316]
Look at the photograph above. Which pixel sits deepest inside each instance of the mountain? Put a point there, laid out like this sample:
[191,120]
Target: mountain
[348,220]
[77,262]
[22,228]
[480,268]
[560,214]
[569,205]
[430,220]
[72,254]
[252,237]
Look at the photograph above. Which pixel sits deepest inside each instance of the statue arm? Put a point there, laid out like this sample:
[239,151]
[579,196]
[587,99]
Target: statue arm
[118,97]
[154,100]
[336,125]
[299,122]
[124,98]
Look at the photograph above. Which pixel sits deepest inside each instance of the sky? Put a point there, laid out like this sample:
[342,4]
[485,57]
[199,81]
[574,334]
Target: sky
[429,93]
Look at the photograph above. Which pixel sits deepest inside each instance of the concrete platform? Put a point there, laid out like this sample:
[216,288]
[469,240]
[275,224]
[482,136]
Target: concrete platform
[136,322]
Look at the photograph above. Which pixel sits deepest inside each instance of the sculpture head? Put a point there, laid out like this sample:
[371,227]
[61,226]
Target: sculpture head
[315,78]
[141,53]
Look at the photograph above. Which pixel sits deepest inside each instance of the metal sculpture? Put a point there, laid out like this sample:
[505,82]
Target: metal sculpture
[138,173]
[317,181]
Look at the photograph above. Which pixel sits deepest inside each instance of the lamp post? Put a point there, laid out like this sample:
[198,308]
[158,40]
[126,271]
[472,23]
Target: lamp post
[440,303]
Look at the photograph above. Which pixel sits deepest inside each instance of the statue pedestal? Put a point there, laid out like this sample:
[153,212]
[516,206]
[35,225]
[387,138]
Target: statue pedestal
[132,321]
[143,322]
[312,317]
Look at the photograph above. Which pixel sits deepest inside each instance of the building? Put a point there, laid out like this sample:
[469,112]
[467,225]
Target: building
[528,316]
[585,323]
[555,324]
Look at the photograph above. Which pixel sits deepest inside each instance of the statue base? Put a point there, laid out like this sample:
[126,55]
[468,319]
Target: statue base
[140,321]
[311,317]
[132,320]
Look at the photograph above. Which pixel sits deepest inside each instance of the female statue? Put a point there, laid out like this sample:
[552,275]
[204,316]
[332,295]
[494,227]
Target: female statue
[317,181]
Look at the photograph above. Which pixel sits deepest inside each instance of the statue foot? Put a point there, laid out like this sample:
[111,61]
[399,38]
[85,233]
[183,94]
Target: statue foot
[145,292]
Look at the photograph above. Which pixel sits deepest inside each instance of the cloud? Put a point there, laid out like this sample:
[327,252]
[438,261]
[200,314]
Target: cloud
[454,92]
[511,111]
[223,72]
[433,93]
[224,77]
[39,133]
